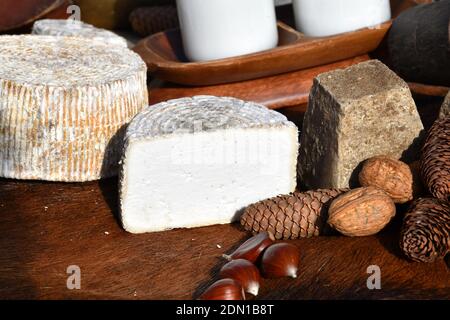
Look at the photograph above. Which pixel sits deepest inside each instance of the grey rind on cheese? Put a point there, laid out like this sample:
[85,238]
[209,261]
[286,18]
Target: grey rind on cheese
[65,62]
[64,102]
[200,114]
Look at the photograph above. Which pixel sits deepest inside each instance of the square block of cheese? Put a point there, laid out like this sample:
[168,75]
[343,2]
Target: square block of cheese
[354,114]
[199,161]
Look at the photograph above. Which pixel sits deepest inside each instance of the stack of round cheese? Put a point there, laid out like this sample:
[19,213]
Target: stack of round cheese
[63,103]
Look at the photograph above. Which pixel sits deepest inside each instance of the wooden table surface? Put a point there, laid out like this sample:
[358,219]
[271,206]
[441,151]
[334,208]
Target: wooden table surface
[46,227]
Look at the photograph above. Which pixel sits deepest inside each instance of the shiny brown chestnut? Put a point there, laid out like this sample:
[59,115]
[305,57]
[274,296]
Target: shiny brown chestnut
[244,272]
[224,289]
[280,260]
[252,248]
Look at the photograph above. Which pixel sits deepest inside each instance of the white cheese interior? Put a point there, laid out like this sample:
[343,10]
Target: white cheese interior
[204,178]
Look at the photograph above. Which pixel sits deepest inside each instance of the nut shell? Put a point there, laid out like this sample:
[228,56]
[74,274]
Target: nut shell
[361,212]
[252,248]
[280,260]
[244,272]
[390,175]
[224,289]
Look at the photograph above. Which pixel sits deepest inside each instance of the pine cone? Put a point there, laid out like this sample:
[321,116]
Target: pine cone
[150,20]
[435,162]
[425,232]
[299,215]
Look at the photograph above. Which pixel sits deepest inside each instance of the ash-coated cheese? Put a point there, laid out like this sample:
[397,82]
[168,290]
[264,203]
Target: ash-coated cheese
[75,28]
[64,102]
[200,161]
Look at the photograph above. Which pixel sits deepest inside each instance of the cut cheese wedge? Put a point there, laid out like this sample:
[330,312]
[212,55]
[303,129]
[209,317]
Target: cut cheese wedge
[64,102]
[199,161]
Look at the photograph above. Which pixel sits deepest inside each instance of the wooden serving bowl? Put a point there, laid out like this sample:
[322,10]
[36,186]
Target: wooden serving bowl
[164,56]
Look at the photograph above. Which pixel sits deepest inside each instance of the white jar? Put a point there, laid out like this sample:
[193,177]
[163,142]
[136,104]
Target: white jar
[318,18]
[215,29]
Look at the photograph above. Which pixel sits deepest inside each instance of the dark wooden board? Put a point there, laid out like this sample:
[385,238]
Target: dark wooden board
[39,243]
[428,90]
[280,91]
[275,92]
[45,227]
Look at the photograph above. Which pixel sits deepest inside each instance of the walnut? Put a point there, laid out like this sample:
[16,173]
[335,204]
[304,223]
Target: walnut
[361,212]
[390,175]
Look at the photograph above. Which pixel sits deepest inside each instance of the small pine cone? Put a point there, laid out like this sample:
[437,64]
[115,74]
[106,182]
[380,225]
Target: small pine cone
[435,162]
[299,215]
[149,20]
[425,232]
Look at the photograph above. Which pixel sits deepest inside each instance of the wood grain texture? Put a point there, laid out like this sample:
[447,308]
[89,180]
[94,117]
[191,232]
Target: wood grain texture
[428,90]
[285,90]
[45,227]
[15,14]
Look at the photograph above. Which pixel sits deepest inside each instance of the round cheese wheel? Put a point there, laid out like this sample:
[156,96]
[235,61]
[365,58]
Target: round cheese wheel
[64,103]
